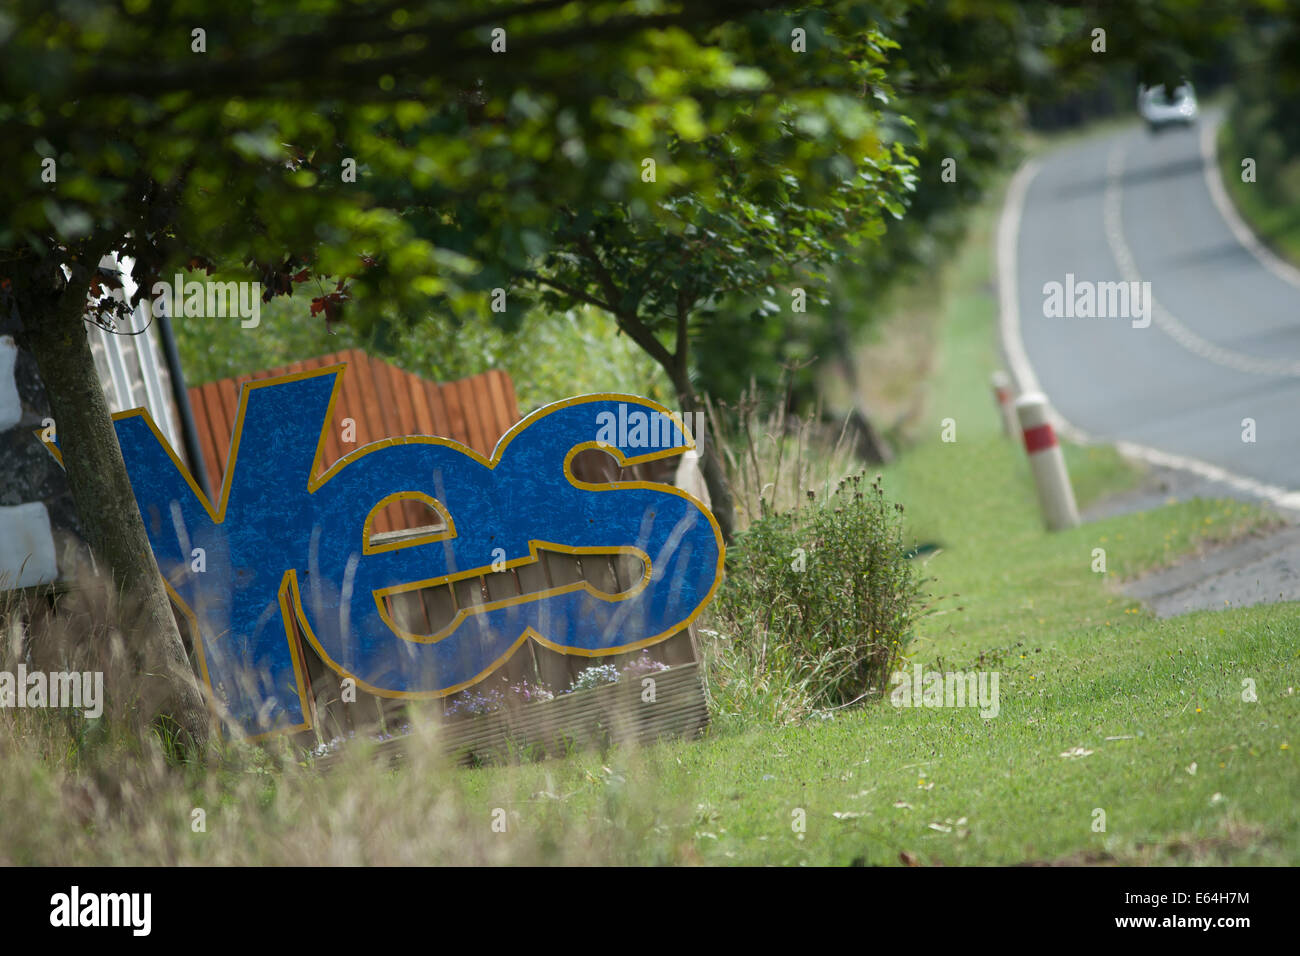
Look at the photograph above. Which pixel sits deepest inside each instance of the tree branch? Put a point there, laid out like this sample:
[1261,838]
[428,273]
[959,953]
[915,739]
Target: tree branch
[568,290]
[635,329]
[602,274]
[640,333]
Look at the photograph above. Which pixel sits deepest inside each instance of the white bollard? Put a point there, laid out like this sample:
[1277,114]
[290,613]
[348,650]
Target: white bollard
[1055,496]
[1002,394]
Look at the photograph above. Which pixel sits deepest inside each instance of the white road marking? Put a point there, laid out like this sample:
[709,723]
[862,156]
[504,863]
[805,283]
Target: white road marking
[1013,207]
[1163,319]
[1279,496]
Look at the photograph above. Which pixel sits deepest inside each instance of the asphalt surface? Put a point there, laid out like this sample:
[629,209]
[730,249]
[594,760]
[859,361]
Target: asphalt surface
[1224,343]
[1262,568]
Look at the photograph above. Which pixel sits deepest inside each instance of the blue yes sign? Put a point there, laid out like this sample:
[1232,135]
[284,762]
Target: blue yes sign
[286,542]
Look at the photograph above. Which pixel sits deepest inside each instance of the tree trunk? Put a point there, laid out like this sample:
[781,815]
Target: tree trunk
[721,502]
[110,519]
[871,446]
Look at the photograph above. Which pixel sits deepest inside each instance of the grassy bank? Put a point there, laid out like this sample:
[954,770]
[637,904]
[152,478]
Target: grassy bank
[1101,708]
[1270,204]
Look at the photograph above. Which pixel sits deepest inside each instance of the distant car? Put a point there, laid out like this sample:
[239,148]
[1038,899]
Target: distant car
[1160,109]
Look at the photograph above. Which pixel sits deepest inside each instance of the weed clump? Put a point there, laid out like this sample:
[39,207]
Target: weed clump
[819,604]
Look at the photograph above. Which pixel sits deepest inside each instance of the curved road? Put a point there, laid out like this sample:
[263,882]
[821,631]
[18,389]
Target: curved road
[1223,343]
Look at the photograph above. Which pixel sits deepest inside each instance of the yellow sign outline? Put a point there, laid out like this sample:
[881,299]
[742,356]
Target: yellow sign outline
[289,588]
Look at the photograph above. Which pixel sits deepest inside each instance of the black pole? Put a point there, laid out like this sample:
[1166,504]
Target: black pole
[181,396]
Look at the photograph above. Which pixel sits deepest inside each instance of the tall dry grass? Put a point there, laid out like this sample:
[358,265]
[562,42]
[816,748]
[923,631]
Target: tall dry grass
[112,790]
[774,458]
[820,598]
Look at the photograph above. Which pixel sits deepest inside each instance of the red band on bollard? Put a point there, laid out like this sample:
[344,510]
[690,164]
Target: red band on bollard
[1039,438]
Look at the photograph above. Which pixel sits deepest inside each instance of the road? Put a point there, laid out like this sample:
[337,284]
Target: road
[1223,343]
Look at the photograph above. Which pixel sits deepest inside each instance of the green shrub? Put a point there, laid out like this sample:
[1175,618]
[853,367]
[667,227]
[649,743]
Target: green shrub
[818,605]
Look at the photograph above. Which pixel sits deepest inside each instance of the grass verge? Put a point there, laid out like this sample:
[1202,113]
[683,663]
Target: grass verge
[1101,708]
[1270,201]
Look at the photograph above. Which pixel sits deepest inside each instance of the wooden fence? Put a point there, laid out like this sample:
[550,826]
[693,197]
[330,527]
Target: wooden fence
[383,402]
[386,402]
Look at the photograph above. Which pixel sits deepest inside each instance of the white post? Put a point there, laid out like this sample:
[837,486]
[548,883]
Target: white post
[1055,496]
[1002,394]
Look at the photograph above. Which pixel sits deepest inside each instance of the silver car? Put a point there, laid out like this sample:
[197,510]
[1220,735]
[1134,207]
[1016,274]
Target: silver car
[1160,109]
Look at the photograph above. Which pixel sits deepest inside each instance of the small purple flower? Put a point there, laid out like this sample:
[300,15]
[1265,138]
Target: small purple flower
[644,664]
[527,692]
[474,703]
